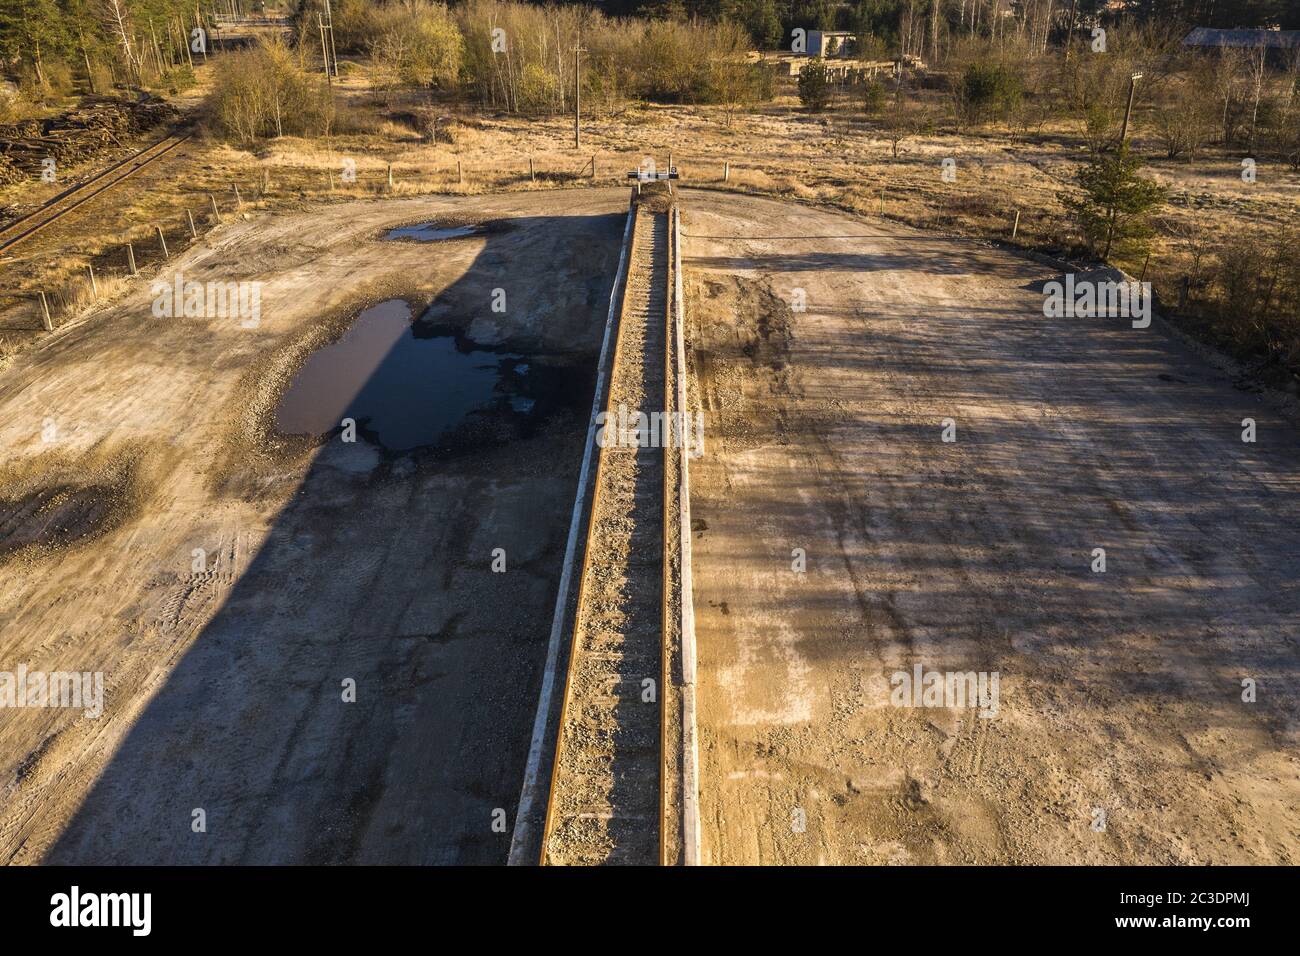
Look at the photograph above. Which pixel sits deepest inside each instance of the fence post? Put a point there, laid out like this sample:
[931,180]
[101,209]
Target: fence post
[460,173]
[390,177]
[593,165]
[532,173]
[726,172]
[130,258]
[216,213]
[1015,226]
[94,286]
[194,233]
[238,201]
[162,242]
[45,313]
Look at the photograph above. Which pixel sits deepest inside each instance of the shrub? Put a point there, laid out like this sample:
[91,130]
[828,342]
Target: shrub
[903,121]
[1117,203]
[873,96]
[263,91]
[815,86]
[663,60]
[539,89]
[355,23]
[988,91]
[1185,123]
[416,44]
[1255,294]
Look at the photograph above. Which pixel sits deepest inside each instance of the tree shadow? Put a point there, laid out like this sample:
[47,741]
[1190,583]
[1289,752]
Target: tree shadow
[378,574]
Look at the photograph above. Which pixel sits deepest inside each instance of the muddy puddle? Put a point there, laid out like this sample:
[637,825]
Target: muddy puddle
[432,232]
[410,385]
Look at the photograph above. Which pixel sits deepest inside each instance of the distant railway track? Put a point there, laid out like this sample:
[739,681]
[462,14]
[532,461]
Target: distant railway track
[77,196]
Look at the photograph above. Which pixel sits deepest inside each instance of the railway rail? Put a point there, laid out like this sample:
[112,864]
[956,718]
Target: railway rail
[611,798]
[75,197]
[607,781]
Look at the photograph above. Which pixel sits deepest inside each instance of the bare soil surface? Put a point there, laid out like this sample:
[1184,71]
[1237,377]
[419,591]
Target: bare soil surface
[131,441]
[1121,734]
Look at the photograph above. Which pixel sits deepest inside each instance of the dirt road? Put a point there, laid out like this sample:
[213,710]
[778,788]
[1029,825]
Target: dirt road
[133,442]
[1120,733]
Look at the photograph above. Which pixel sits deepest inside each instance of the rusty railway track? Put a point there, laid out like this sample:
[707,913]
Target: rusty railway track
[606,801]
[77,196]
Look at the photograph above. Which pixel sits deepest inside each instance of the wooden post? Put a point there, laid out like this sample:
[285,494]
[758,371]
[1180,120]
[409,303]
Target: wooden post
[216,213]
[390,177]
[331,175]
[726,172]
[1128,110]
[460,173]
[162,242]
[593,165]
[1015,226]
[45,313]
[238,201]
[670,160]
[194,233]
[94,286]
[532,173]
[882,202]
[130,259]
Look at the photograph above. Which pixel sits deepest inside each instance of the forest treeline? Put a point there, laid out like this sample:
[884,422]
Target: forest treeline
[42,42]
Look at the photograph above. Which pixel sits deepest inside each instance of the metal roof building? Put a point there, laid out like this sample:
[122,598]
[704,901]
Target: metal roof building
[1271,39]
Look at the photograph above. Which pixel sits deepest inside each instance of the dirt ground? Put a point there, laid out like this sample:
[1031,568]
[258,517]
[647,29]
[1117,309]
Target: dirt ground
[131,441]
[1121,734]
[139,440]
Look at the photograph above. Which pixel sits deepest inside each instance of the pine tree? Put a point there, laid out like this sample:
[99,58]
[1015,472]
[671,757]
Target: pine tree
[31,30]
[1116,204]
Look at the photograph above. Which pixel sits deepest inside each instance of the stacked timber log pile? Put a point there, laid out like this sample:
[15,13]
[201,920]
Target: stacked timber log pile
[94,127]
[9,173]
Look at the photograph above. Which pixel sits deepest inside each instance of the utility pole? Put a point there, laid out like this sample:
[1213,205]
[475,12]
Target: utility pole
[577,94]
[1128,110]
[1123,138]
[329,23]
[325,52]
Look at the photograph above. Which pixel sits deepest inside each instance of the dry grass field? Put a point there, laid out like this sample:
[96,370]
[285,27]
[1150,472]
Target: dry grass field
[840,158]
